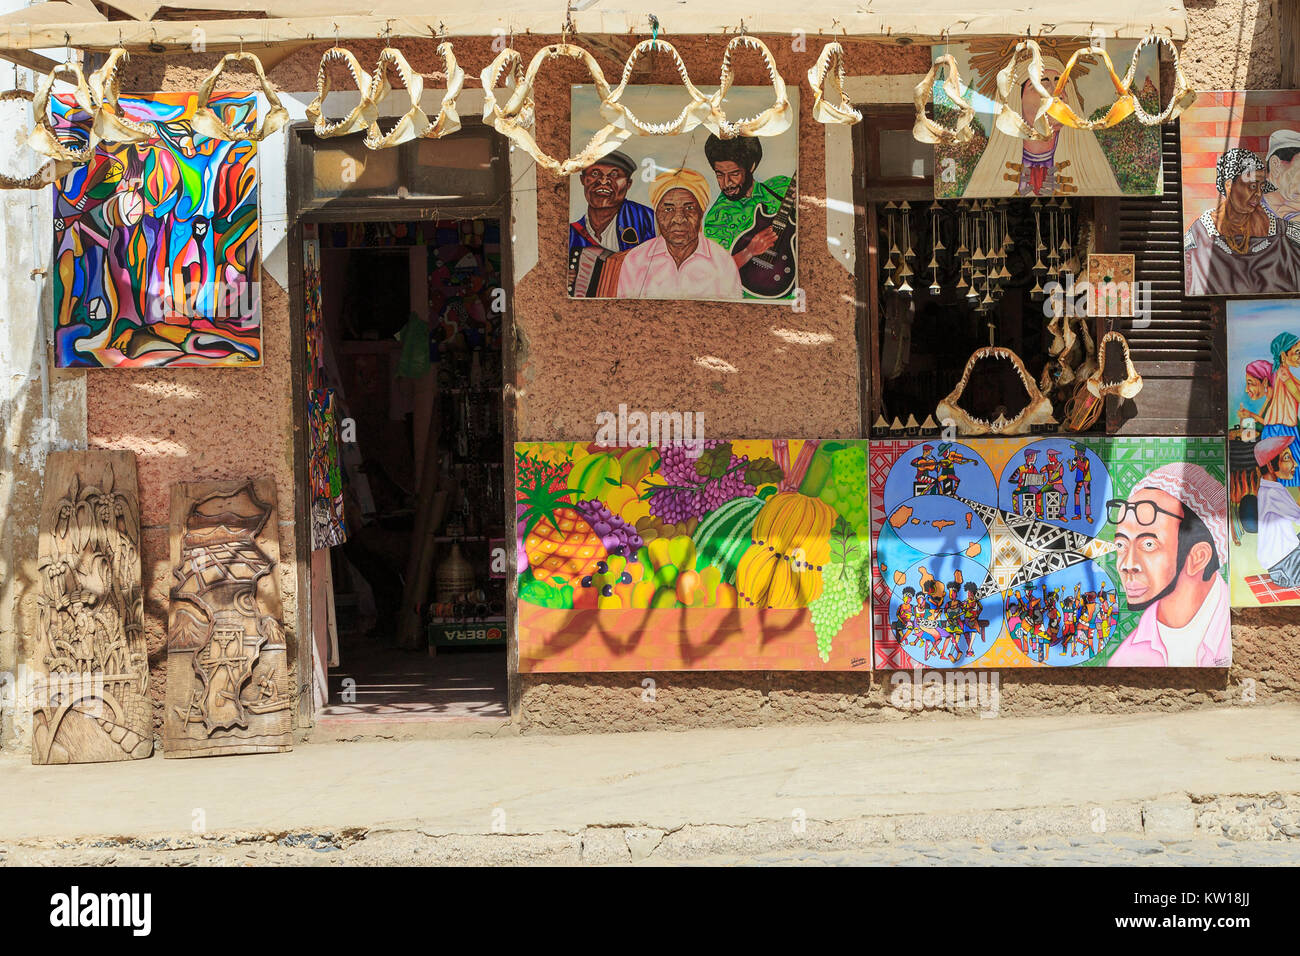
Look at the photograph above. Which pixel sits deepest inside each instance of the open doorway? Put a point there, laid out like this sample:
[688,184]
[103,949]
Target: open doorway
[403,423]
[410,325]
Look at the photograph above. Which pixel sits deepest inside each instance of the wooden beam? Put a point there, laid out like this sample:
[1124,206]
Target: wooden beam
[30,59]
[163,36]
[1288,31]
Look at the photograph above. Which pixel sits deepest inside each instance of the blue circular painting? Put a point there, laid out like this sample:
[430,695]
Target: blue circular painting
[942,614]
[1059,482]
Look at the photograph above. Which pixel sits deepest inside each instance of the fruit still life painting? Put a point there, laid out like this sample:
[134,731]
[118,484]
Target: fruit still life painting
[703,555]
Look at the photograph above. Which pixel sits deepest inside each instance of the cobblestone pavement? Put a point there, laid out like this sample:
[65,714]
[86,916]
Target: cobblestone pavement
[1053,851]
[409,848]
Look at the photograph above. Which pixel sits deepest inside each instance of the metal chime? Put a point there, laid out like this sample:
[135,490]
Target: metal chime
[982,248]
[1039,267]
[936,246]
[890,284]
[905,270]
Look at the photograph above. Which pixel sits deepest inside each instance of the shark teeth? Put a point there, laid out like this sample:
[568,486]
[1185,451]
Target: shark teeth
[1102,382]
[826,77]
[691,115]
[1037,410]
[774,120]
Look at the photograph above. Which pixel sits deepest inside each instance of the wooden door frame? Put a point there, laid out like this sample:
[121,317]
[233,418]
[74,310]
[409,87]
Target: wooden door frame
[383,210]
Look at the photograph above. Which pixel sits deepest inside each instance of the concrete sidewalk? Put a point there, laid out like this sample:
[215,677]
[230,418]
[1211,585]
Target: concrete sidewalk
[1230,772]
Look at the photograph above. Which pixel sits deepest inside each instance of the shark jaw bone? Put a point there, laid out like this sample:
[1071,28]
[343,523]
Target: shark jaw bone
[1105,381]
[1037,409]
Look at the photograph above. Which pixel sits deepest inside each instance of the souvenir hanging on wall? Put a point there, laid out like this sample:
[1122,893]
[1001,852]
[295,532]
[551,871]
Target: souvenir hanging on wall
[927,130]
[773,120]
[44,136]
[1180,98]
[1019,147]
[111,123]
[51,170]
[207,122]
[1006,553]
[1111,284]
[360,118]
[515,116]
[1241,193]
[729,206]
[991,408]
[1116,373]
[156,259]
[826,78]
[620,114]
[1061,109]
[692,555]
[1263,450]
[414,123]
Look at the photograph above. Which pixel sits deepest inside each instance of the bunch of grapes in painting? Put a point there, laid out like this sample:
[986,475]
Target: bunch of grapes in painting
[846,492]
[694,486]
[846,585]
[618,537]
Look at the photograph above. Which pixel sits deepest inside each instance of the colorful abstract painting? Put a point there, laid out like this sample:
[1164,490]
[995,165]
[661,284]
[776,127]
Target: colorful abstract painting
[1121,161]
[156,243]
[1263,448]
[1054,552]
[690,216]
[1241,193]
[692,555]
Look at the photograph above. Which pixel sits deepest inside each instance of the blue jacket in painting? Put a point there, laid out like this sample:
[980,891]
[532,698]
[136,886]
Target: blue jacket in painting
[636,224]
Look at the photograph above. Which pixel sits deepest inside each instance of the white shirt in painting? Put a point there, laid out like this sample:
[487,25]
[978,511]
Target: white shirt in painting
[1182,643]
[609,238]
[1278,513]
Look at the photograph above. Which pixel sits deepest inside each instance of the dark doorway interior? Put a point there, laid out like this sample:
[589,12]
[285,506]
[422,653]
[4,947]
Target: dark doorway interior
[411,314]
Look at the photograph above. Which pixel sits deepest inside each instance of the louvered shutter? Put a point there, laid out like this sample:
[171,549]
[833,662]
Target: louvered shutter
[1181,354]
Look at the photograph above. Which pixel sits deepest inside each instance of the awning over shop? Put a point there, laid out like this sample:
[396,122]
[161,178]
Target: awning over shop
[229,23]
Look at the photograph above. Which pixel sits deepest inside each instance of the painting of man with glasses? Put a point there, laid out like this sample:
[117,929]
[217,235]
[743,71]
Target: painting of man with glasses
[1172,543]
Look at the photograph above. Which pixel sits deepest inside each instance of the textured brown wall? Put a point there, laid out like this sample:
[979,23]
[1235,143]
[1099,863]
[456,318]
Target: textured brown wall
[584,357]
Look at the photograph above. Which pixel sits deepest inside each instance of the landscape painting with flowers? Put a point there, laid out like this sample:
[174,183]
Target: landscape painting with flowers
[706,555]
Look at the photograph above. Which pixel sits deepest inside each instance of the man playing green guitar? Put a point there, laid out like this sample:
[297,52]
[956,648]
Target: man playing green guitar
[734,163]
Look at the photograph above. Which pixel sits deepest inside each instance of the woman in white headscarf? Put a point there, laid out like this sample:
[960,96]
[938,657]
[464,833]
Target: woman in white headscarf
[1071,161]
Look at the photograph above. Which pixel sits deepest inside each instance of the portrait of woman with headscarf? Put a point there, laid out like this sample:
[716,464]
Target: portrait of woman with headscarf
[1239,247]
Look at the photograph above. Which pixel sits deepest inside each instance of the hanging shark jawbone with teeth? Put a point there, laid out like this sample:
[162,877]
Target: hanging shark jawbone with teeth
[826,77]
[1107,380]
[515,115]
[362,115]
[773,121]
[620,115]
[1037,409]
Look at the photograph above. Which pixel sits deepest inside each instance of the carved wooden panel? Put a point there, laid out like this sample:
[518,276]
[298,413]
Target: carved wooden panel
[227,658]
[91,682]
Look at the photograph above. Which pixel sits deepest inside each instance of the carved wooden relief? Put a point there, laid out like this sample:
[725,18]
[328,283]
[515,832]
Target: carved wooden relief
[227,659]
[91,685]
